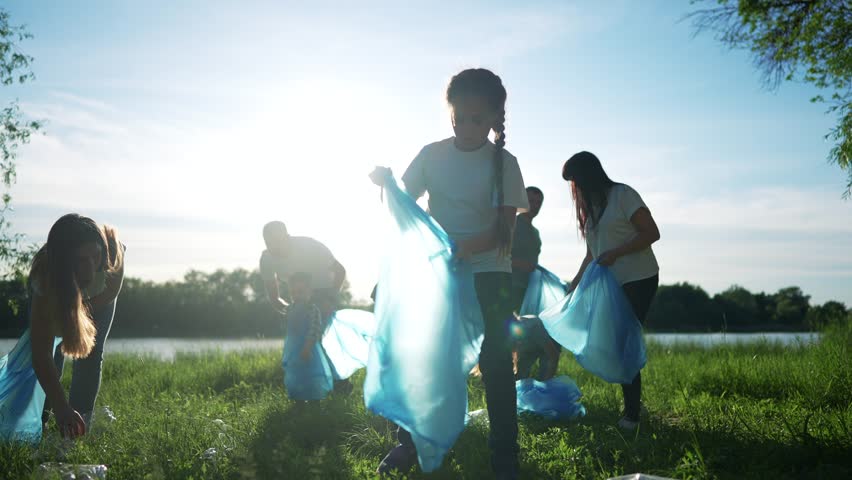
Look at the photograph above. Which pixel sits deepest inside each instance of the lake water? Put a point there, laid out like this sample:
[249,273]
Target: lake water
[165,348]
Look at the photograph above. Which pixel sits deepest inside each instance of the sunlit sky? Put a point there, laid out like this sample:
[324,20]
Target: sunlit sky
[189,124]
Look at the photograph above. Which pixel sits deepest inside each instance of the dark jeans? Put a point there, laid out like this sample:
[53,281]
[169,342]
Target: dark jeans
[518,293]
[640,294]
[86,373]
[494,292]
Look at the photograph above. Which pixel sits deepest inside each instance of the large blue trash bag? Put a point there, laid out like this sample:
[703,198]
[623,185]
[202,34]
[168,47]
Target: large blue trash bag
[429,331]
[310,379]
[597,324]
[21,396]
[557,398]
[544,289]
[347,339]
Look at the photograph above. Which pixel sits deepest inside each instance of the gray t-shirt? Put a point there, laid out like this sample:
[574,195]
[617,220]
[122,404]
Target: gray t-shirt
[534,335]
[526,246]
[305,255]
[462,193]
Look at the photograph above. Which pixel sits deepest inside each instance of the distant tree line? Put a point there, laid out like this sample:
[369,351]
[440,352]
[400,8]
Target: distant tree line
[233,304]
[221,304]
[685,307]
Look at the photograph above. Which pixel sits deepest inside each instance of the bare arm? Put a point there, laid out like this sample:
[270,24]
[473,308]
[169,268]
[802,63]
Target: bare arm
[113,288]
[42,340]
[487,239]
[586,262]
[646,234]
[42,335]
[274,295]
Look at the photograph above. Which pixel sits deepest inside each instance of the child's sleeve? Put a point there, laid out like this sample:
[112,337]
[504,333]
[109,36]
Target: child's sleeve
[514,190]
[414,177]
[267,271]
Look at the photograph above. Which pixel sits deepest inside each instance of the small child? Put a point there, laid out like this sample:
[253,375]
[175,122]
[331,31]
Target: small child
[532,343]
[307,373]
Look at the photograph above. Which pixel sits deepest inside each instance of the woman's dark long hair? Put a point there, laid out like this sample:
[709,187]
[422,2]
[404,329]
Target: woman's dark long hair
[589,187]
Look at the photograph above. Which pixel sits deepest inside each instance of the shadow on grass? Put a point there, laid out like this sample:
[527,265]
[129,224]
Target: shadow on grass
[300,441]
[594,448]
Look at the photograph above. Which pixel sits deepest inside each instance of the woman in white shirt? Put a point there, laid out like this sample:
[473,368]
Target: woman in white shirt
[619,230]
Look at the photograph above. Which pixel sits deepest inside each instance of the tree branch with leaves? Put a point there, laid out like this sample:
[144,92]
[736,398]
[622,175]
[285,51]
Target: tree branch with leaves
[15,131]
[807,40]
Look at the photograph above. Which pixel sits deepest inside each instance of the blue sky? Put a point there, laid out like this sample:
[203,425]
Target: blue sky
[187,125]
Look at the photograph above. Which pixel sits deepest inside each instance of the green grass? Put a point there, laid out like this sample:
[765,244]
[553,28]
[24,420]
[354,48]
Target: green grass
[756,411]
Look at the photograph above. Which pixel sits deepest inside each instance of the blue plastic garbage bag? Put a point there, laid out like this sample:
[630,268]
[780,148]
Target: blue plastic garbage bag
[21,396]
[597,324]
[556,398]
[347,339]
[544,289]
[429,331]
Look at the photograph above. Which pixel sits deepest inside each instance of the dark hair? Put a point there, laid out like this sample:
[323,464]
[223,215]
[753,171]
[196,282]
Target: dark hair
[535,190]
[272,228]
[589,187]
[55,265]
[484,83]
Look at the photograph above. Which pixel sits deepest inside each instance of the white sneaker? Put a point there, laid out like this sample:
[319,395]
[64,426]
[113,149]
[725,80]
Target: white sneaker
[627,424]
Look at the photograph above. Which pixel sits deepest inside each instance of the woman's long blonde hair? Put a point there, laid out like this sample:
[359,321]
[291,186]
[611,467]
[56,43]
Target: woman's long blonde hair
[54,267]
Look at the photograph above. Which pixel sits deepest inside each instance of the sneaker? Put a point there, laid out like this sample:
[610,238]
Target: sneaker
[400,459]
[628,424]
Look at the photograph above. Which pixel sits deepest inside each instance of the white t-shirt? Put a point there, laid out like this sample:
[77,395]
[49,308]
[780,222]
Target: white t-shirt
[614,229]
[305,255]
[462,193]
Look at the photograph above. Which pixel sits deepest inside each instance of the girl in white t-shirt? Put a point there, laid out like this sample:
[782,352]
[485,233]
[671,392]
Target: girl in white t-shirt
[475,188]
[619,230]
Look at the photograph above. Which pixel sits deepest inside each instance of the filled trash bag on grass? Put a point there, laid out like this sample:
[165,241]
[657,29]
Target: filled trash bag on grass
[428,333]
[557,398]
[597,324]
[21,396]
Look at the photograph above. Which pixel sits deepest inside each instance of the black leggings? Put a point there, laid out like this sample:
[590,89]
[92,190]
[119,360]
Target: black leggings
[640,294]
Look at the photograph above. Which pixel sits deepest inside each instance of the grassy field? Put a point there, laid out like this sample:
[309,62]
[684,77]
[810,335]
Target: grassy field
[757,411]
